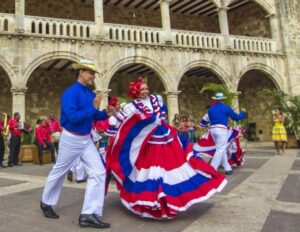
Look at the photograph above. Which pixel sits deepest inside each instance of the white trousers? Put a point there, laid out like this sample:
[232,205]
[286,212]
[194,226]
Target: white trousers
[220,137]
[71,148]
[78,169]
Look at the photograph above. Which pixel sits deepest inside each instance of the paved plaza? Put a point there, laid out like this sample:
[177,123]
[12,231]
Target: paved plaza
[263,195]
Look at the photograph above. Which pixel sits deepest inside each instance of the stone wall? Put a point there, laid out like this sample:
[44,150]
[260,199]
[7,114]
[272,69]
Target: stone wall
[256,102]
[191,101]
[44,91]
[250,20]
[131,16]
[120,82]
[6,96]
[67,9]
[195,23]
[290,18]
[7,6]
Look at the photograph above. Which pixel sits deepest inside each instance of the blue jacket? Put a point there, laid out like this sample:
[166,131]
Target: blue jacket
[219,113]
[78,111]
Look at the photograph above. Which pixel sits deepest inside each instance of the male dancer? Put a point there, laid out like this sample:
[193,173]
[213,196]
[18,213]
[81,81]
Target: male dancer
[218,116]
[78,111]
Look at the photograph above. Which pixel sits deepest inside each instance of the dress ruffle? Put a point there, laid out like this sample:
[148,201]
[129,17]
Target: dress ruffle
[156,176]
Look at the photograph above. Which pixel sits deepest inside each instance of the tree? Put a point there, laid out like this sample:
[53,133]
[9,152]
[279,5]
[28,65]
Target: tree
[290,106]
[215,88]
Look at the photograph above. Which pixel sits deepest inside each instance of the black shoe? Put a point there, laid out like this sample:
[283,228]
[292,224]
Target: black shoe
[81,181]
[48,211]
[10,165]
[18,164]
[91,220]
[228,173]
[70,176]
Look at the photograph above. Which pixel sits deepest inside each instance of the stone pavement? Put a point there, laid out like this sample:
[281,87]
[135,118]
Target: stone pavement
[263,195]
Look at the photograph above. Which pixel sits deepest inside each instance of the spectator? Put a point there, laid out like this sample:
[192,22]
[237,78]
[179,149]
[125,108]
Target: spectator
[2,145]
[183,126]
[43,141]
[176,121]
[15,140]
[55,130]
[190,128]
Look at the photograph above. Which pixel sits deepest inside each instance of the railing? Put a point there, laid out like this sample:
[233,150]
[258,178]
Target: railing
[198,39]
[134,34]
[253,44]
[7,22]
[59,27]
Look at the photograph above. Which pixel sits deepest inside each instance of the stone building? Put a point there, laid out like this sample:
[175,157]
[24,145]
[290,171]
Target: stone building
[179,45]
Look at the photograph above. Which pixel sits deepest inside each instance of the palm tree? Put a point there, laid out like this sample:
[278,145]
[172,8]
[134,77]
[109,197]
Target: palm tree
[290,106]
[213,87]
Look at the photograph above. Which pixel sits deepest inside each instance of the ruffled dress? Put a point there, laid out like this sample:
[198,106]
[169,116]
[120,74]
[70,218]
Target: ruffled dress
[156,172]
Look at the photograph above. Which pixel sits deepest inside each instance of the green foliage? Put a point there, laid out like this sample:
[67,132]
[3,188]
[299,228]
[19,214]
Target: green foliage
[27,138]
[290,106]
[215,88]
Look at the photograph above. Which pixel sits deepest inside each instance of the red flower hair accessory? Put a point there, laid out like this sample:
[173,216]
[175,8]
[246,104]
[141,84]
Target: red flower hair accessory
[135,88]
[113,101]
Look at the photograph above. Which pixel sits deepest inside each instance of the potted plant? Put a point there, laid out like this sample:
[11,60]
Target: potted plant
[28,148]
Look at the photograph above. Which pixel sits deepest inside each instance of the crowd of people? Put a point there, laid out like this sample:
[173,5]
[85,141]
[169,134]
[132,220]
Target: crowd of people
[157,165]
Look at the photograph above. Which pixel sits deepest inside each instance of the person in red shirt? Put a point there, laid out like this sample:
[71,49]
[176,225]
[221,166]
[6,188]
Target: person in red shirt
[43,141]
[55,130]
[2,145]
[15,140]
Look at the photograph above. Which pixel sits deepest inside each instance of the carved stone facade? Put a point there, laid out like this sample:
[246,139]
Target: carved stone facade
[178,53]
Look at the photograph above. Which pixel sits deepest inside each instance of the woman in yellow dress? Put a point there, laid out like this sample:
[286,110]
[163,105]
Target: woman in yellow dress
[278,132]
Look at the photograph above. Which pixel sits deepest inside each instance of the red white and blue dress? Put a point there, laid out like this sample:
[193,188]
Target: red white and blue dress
[114,123]
[156,172]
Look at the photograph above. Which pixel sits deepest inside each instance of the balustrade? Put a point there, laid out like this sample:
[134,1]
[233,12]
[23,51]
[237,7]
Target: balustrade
[198,40]
[7,22]
[134,34]
[59,27]
[251,44]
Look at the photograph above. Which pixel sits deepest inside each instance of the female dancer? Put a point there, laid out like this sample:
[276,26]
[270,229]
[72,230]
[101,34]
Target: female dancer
[156,172]
[279,132]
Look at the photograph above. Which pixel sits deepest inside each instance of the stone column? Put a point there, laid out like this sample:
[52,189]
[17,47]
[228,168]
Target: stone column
[20,13]
[165,19]
[172,103]
[275,31]
[99,17]
[224,28]
[18,98]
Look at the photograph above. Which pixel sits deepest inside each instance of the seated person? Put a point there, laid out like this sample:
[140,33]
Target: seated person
[43,141]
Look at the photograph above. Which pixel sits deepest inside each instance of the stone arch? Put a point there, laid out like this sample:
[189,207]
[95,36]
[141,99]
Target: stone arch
[263,3]
[46,57]
[157,68]
[216,69]
[271,73]
[9,69]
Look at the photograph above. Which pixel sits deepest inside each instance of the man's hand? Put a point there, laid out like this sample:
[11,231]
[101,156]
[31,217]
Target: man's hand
[243,109]
[44,145]
[97,100]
